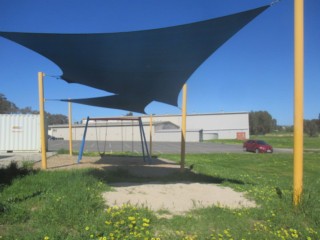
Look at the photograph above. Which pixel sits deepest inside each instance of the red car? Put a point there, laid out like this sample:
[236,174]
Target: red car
[257,146]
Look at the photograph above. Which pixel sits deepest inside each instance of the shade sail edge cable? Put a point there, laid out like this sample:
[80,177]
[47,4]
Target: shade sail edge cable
[113,101]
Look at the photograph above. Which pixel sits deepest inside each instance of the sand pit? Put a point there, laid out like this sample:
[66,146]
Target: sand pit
[171,197]
[176,198]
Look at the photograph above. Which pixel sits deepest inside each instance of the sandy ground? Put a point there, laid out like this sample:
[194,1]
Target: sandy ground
[176,198]
[172,198]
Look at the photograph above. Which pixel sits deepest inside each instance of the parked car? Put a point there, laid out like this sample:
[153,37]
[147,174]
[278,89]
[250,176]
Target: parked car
[51,137]
[257,146]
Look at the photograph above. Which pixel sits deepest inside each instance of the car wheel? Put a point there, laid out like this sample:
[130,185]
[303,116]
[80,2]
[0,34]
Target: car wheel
[245,149]
[257,150]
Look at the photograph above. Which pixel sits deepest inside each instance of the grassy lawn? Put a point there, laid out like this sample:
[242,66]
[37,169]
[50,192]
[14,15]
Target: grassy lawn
[278,141]
[68,204]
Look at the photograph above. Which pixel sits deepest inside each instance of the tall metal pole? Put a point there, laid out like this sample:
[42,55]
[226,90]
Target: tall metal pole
[142,139]
[42,122]
[70,129]
[83,140]
[150,144]
[298,100]
[183,127]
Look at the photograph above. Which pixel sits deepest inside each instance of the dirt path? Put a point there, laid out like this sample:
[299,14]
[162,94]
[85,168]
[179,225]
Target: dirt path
[176,198]
[172,197]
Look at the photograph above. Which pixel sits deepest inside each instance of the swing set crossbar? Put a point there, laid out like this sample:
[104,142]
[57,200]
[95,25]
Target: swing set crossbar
[117,119]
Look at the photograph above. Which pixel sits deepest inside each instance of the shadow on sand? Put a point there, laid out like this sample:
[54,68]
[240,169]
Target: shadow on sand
[135,171]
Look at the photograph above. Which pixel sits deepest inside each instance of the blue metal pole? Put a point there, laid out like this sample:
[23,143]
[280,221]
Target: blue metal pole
[83,140]
[144,140]
[141,137]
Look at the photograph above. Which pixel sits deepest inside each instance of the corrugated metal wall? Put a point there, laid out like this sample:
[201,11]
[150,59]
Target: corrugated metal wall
[19,132]
[211,126]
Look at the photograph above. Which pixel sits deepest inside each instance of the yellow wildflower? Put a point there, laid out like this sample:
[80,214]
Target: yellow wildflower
[146,220]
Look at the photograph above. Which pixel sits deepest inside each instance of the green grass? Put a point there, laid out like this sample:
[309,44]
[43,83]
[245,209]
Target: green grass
[68,204]
[260,176]
[278,141]
[58,204]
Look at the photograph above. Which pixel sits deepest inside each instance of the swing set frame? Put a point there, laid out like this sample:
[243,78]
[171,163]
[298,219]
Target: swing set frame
[144,144]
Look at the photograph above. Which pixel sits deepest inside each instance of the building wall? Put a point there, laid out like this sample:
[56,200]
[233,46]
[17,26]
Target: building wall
[101,131]
[175,136]
[199,127]
[214,125]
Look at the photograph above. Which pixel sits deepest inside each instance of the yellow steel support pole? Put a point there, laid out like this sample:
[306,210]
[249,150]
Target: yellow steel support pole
[150,144]
[42,122]
[70,128]
[298,100]
[183,127]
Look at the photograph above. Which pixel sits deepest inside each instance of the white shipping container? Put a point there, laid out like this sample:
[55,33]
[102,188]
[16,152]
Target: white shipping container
[20,133]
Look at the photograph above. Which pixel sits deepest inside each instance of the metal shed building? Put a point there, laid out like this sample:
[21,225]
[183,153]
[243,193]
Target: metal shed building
[165,128]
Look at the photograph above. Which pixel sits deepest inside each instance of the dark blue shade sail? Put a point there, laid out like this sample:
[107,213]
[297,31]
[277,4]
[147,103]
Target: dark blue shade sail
[138,67]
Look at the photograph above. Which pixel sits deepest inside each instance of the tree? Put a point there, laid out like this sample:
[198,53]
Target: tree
[56,119]
[311,127]
[129,114]
[6,106]
[261,122]
[27,110]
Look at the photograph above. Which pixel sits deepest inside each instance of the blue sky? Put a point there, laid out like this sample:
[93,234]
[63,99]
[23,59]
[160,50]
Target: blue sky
[253,71]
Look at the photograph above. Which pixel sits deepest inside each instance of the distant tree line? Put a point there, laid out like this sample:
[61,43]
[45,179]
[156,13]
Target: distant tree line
[311,127]
[8,107]
[261,122]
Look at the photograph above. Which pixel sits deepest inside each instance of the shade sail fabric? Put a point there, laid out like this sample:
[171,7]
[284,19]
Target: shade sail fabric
[138,67]
[129,102]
